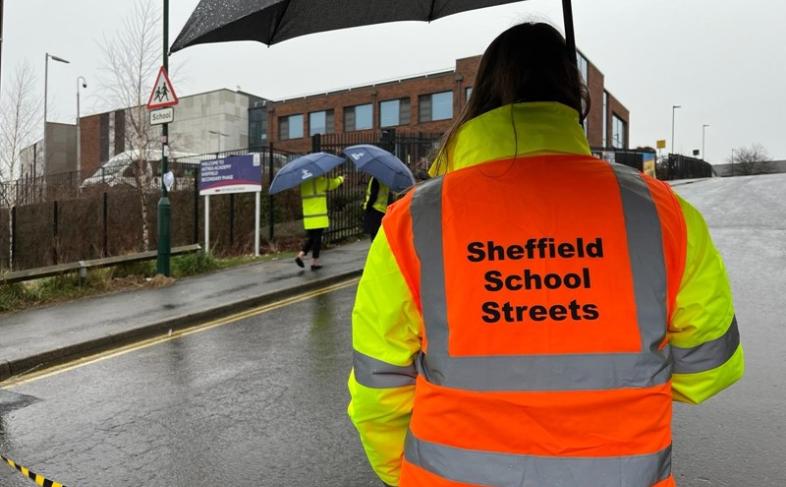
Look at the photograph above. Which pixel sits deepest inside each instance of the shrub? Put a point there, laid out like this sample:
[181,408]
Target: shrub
[192,264]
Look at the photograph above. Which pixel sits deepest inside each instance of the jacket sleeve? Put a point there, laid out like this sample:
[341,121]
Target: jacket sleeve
[334,183]
[385,338]
[703,333]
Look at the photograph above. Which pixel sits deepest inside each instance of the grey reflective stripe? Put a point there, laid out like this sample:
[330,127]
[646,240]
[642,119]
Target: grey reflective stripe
[707,356]
[566,372]
[547,372]
[320,195]
[511,470]
[315,215]
[371,372]
[426,211]
[645,248]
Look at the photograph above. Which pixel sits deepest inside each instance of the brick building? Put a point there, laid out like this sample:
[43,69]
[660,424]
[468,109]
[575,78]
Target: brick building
[422,104]
[205,122]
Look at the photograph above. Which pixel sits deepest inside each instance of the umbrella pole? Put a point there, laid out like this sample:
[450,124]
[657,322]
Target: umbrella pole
[570,37]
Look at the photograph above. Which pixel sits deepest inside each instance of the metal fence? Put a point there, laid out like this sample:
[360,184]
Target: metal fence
[677,166]
[105,216]
[65,218]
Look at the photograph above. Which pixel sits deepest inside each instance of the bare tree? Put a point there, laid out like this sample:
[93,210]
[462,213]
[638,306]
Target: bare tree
[19,119]
[749,160]
[131,58]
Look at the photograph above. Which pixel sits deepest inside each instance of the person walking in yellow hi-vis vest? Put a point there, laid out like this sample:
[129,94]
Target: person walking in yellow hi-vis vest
[315,216]
[526,317]
[378,197]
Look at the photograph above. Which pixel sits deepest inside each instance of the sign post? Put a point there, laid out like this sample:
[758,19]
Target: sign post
[660,144]
[231,175]
[163,96]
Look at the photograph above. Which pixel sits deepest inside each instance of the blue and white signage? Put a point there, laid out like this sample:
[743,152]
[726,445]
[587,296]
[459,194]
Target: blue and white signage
[234,174]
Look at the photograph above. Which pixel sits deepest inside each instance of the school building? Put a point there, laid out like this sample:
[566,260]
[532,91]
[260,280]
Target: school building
[426,104]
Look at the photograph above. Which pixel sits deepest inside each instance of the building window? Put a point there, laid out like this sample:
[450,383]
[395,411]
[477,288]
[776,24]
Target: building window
[290,127]
[321,122]
[467,93]
[605,140]
[257,125]
[583,66]
[359,117]
[618,130]
[394,112]
[438,106]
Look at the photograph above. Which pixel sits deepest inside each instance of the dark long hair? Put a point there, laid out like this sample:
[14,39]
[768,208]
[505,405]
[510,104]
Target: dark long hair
[528,62]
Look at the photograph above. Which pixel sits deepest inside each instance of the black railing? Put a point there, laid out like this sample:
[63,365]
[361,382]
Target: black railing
[677,166]
[67,217]
[103,215]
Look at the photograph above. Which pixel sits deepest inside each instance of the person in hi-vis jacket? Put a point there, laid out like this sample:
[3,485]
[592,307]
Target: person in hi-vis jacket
[315,216]
[528,315]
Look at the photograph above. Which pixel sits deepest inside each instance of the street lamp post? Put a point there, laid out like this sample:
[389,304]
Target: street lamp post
[81,82]
[46,93]
[164,206]
[673,111]
[703,132]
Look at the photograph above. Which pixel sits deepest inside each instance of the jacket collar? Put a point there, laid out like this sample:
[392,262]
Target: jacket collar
[519,129]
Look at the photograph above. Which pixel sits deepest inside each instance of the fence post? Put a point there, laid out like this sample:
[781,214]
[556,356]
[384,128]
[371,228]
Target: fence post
[316,143]
[12,257]
[54,232]
[270,208]
[231,220]
[196,206]
[105,222]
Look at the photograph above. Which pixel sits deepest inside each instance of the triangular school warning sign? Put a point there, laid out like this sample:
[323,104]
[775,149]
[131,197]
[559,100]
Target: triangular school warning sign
[163,94]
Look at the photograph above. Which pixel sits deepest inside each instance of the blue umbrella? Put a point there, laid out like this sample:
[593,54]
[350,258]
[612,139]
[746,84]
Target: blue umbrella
[381,164]
[310,166]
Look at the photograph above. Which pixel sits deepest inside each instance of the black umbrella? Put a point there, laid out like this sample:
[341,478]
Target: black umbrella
[273,21]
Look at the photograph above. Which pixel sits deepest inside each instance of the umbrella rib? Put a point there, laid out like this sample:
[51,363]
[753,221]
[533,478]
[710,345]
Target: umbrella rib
[278,22]
[431,10]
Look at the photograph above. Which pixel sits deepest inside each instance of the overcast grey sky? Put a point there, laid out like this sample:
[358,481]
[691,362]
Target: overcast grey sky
[724,61]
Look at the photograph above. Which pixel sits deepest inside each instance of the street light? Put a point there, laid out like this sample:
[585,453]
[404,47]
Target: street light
[219,135]
[81,82]
[46,93]
[673,110]
[703,129]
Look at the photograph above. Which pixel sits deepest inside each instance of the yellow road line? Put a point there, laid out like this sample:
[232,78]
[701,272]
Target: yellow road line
[101,356]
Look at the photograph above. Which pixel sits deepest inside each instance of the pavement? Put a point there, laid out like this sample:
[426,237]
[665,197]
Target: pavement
[50,335]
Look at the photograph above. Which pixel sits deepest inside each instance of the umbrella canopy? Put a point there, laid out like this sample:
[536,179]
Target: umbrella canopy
[272,21]
[302,169]
[381,164]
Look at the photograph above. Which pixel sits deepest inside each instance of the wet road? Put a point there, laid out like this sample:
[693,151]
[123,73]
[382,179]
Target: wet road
[258,402]
[262,401]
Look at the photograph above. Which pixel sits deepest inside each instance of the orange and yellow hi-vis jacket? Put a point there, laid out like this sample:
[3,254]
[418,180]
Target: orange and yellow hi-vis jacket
[528,317]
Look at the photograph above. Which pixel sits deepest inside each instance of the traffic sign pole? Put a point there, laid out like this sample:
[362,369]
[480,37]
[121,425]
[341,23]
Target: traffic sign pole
[164,207]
